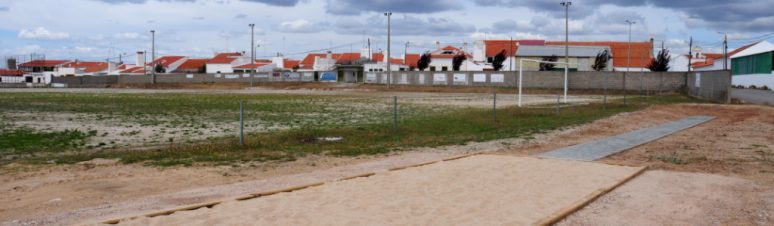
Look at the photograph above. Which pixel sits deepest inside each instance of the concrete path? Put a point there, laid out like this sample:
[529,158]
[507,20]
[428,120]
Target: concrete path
[601,148]
[752,96]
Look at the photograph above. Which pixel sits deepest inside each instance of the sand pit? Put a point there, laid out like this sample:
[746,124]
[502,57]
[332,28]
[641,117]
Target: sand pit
[477,190]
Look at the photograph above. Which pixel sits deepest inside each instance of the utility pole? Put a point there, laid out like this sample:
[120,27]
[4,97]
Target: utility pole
[690,55]
[566,45]
[153,56]
[628,58]
[252,55]
[510,67]
[387,57]
[725,50]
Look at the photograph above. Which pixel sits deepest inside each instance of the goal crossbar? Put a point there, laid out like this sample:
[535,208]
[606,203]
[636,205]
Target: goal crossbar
[566,71]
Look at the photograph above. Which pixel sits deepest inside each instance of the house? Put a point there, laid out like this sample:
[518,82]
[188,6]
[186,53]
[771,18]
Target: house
[11,76]
[441,60]
[581,58]
[169,63]
[753,65]
[641,53]
[286,64]
[225,62]
[714,61]
[192,66]
[42,66]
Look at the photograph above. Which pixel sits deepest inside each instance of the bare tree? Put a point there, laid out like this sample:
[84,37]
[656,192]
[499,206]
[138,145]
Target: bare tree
[458,60]
[424,61]
[549,66]
[600,63]
[661,62]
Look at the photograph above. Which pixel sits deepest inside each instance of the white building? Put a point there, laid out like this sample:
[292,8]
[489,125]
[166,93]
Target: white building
[753,65]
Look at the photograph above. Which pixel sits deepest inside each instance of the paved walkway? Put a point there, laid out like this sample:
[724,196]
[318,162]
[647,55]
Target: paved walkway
[602,148]
[752,96]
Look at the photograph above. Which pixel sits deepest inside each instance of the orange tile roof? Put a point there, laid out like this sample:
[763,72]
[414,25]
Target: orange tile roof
[165,61]
[494,47]
[642,52]
[87,67]
[134,70]
[412,60]
[193,64]
[708,62]
[224,58]
[257,64]
[43,63]
[291,63]
[6,72]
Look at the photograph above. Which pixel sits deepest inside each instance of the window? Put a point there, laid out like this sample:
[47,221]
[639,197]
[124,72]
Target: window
[490,59]
[444,68]
[447,52]
[432,68]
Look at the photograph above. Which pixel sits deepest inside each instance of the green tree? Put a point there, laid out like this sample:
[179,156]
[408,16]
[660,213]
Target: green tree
[600,62]
[548,66]
[458,60]
[424,61]
[497,63]
[661,62]
[159,69]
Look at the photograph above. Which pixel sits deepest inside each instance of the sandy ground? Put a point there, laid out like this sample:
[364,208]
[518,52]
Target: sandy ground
[478,190]
[67,194]
[678,198]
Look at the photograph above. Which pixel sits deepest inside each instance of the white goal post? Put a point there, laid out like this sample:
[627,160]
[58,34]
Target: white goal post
[566,71]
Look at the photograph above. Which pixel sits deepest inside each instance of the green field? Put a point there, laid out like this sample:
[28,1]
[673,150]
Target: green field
[186,129]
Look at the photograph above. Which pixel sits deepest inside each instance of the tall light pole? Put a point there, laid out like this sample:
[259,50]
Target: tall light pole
[566,5]
[153,56]
[252,55]
[389,65]
[725,50]
[628,57]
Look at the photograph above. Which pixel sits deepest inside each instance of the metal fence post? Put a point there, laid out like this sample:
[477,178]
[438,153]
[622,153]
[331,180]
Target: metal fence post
[624,88]
[494,107]
[558,102]
[395,113]
[604,99]
[242,122]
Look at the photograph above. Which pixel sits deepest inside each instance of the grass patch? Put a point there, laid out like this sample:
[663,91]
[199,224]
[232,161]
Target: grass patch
[16,141]
[456,126]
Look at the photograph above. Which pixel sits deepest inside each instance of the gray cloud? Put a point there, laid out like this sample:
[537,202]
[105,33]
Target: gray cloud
[285,3]
[405,26]
[734,15]
[4,8]
[240,16]
[356,7]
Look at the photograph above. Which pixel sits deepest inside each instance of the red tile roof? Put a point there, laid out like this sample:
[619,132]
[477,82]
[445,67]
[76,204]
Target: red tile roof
[224,58]
[134,70]
[308,61]
[455,51]
[257,64]
[43,63]
[193,64]
[708,62]
[642,52]
[5,72]
[494,47]
[291,63]
[165,61]
[412,60]
[87,67]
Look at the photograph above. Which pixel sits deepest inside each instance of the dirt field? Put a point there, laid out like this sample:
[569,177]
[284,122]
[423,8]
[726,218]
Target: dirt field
[457,192]
[736,144]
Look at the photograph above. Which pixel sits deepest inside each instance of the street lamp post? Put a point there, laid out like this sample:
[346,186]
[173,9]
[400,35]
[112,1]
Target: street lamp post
[566,45]
[153,57]
[252,55]
[628,56]
[389,65]
[725,50]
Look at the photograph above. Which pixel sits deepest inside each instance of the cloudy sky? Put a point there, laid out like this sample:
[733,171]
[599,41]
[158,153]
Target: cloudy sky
[102,29]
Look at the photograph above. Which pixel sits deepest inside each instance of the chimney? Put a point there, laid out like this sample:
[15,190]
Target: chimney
[437,45]
[329,55]
[140,58]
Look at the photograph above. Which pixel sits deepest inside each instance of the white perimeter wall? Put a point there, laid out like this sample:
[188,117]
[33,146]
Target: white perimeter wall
[756,79]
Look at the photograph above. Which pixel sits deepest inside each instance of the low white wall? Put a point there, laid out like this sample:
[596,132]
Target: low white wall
[757,79]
